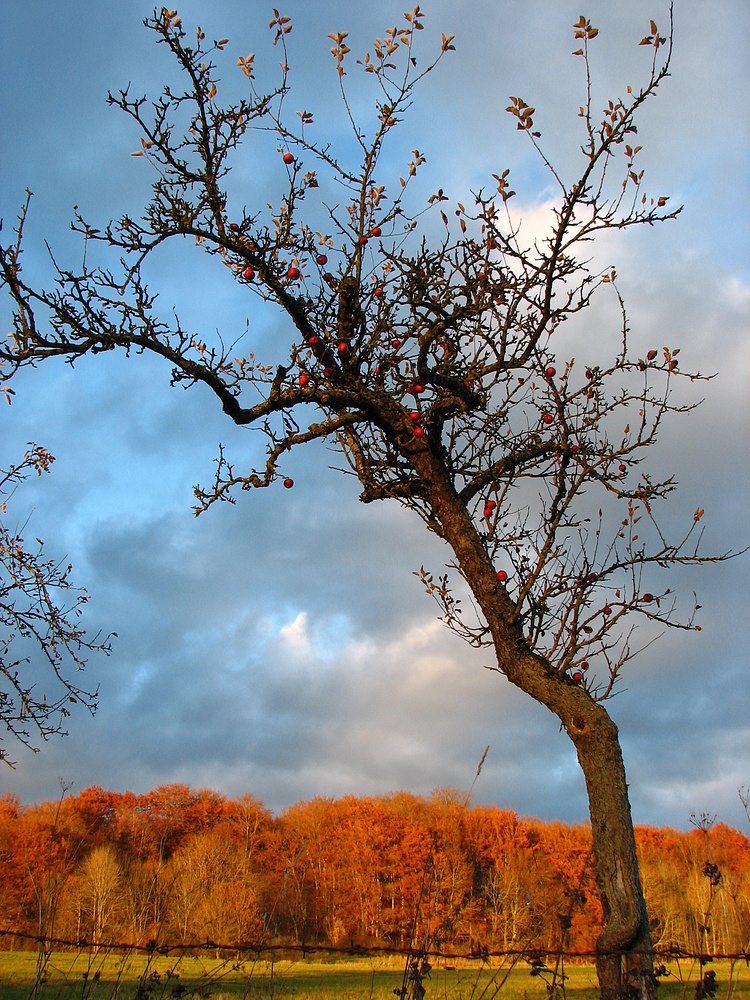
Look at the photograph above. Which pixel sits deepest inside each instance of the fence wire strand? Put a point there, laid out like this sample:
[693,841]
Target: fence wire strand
[257,949]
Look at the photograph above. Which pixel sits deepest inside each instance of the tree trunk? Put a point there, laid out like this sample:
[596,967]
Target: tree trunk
[624,961]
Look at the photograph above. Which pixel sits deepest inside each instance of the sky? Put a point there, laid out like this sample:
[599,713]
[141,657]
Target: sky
[283,646]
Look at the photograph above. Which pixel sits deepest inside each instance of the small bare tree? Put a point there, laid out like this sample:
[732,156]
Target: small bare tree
[434,366]
[38,604]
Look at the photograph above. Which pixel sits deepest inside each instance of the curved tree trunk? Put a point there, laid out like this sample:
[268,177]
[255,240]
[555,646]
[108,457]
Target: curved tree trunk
[624,962]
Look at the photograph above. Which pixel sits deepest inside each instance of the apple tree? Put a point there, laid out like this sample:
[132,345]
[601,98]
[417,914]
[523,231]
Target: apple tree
[435,364]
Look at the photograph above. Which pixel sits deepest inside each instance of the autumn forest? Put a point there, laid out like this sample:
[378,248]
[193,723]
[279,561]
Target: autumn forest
[177,865]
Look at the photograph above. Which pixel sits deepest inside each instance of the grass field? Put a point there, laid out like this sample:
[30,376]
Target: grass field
[84,976]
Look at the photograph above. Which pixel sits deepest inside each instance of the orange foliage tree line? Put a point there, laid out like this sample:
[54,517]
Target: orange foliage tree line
[177,865]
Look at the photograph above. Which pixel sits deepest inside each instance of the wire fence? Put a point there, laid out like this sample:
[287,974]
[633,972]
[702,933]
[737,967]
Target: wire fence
[353,950]
[49,967]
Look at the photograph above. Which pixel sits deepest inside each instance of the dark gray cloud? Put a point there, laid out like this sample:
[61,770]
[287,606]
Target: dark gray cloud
[282,646]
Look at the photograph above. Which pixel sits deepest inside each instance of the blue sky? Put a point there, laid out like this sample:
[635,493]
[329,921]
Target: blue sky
[283,646]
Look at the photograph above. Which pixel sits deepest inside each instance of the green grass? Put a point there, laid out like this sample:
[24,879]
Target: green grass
[85,976]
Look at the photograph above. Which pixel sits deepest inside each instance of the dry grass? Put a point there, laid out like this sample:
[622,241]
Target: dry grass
[86,976]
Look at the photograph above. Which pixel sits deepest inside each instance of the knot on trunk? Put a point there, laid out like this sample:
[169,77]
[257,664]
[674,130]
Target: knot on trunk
[578,726]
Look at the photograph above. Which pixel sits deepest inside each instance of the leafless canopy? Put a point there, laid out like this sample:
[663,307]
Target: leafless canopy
[400,348]
[40,608]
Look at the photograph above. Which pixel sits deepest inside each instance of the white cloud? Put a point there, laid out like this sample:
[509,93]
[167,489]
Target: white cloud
[295,634]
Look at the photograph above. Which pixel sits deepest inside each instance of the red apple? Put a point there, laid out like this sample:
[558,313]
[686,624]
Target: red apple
[418,432]
[548,418]
[502,575]
[327,372]
[375,231]
[577,676]
[322,259]
[313,339]
[288,158]
[395,344]
[343,347]
[293,273]
[248,274]
[303,380]
[362,240]
[550,372]
[606,611]
[234,227]
[585,665]
[490,503]
[288,483]
[417,389]
[574,448]
[647,598]
[623,468]
[414,416]
[488,512]
[378,292]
